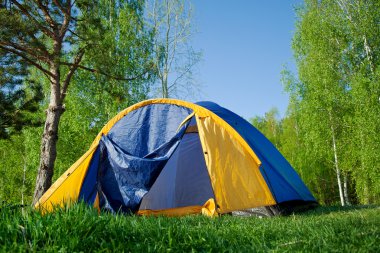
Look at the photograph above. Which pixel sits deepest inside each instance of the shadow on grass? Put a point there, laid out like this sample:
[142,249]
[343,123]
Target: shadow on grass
[335,209]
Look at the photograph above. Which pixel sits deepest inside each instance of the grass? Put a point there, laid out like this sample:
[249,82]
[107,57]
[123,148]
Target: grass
[81,229]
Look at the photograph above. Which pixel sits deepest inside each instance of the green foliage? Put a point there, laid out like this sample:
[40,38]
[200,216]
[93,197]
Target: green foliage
[81,228]
[19,153]
[19,96]
[18,162]
[269,125]
[332,120]
[124,50]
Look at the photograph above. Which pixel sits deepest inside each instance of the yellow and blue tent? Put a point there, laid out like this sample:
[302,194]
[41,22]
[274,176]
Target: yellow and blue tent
[171,157]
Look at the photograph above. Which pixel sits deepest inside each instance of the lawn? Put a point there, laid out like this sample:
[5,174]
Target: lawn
[325,229]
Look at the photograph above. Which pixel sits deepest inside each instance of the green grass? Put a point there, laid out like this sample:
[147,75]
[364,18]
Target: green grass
[326,229]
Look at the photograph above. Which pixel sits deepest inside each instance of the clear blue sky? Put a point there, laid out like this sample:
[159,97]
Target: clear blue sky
[245,45]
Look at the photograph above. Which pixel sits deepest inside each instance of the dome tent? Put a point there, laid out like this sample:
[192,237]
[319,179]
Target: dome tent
[171,157]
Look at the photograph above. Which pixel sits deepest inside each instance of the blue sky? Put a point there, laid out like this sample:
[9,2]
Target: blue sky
[245,45]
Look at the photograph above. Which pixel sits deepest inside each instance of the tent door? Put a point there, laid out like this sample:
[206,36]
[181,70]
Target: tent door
[184,181]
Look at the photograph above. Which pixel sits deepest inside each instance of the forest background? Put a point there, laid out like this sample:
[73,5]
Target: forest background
[118,54]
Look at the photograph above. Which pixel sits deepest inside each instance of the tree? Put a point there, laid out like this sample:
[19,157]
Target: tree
[362,58]
[298,144]
[174,58]
[270,125]
[102,97]
[17,102]
[317,49]
[52,37]
[338,65]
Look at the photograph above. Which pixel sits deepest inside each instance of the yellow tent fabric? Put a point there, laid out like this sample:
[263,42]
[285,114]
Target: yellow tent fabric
[234,172]
[67,187]
[208,209]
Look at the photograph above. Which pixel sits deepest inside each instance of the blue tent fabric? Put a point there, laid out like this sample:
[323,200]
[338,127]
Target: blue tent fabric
[133,154]
[89,190]
[283,181]
[184,181]
[141,131]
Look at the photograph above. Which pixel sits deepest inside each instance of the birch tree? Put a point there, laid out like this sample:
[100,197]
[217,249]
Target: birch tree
[317,46]
[174,57]
[362,74]
[337,49]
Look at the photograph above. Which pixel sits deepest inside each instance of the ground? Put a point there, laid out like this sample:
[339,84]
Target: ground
[325,229]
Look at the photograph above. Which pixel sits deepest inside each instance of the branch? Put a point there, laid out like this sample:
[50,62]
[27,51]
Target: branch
[118,78]
[28,60]
[42,47]
[179,77]
[28,50]
[48,18]
[189,66]
[72,70]
[25,12]
[168,23]
[61,7]
[75,34]
[66,20]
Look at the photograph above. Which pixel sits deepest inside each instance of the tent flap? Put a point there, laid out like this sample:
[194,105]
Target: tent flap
[284,182]
[234,172]
[135,151]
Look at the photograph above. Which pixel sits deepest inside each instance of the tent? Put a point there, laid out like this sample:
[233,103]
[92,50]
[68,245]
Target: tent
[171,157]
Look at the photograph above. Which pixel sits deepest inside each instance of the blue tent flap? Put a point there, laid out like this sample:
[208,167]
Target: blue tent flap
[135,151]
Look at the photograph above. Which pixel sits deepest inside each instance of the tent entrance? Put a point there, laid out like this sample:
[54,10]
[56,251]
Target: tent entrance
[184,181]
[133,154]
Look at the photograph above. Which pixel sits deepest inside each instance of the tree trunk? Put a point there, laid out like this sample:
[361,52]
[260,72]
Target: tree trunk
[345,190]
[364,199]
[24,166]
[368,53]
[338,176]
[339,185]
[49,137]
[164,82]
